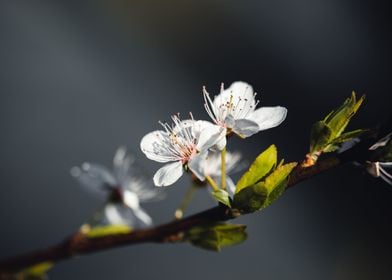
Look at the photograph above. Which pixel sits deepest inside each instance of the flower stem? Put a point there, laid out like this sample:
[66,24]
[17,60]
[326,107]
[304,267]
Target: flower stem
[223,169]
[213,184]
[185,202]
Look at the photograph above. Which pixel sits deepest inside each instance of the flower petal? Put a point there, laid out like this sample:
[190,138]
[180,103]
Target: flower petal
[230,186]
[168,174]
[123,163]
[221,143]
[118,214]
[268,117]
[382,142]
[197,164]
[143,217]
[245,128]
[232,93]
[155,145]
[210,135]
[130,199]
[240,96]
[95,178]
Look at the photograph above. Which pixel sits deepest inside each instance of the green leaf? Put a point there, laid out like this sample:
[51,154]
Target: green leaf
[37,271]
[251,198]
[216,236]
[276,183]
[348,136]
[320,136]
[276,193]
[263,193]
[260,167]
[339,119]
[100,231]
[222,196]
[278,176]
[327,135]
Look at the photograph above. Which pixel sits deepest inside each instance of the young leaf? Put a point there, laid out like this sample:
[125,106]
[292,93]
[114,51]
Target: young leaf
[216,236]
[222,196]
[276,183]
[251,198]
[339,119]
[278,176]
[263,193]
[260,167]
[327,135]
[37,271]
[320,136]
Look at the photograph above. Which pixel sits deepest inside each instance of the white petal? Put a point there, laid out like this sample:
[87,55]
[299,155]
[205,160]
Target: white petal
[245,128]
[221,143]
[348,145]
[232,93]
[143,217]
[233,162]
[229,120]
[241,98]
[230,186]
[155,145]
[268,117]
[197,165]
[210,135]
[168,174]
[382,142]
[95,178]
[123,162]
[118,214]
[130,199]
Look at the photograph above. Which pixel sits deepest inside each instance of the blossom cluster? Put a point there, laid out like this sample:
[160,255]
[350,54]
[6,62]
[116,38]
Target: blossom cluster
[197,147]
[186,144]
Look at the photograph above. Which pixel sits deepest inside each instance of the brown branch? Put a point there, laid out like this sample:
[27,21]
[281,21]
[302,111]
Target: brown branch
[79,244]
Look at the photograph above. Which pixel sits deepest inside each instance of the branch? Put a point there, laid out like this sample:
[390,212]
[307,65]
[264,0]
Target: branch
[79,244]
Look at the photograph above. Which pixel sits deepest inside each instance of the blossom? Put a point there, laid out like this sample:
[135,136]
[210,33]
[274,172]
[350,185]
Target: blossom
[212,166]
[379,168]
[235,110]
[123,187]
[184,144]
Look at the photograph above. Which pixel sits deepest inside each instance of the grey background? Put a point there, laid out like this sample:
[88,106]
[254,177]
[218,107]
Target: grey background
[79,78]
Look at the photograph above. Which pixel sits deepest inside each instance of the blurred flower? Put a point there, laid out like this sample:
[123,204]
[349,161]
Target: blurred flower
[235,110]
[185,143]
[379,168]
[212,166]
[124,188]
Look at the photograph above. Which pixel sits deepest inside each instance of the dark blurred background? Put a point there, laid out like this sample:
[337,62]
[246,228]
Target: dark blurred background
[79,78]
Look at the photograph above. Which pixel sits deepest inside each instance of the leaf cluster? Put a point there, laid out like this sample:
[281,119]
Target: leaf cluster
[328,134]
[263,183]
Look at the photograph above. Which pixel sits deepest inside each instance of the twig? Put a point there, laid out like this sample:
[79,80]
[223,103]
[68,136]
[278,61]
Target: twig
[79,244]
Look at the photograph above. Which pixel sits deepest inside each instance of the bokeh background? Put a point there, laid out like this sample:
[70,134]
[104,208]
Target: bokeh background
[79,78]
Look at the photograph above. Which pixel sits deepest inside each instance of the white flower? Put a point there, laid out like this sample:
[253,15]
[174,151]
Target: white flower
[185,143]
[124,187]
[379,169]
[212,166]
[235,110]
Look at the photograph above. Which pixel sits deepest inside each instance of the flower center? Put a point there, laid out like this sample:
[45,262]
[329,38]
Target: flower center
[182,141]
[229,109]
